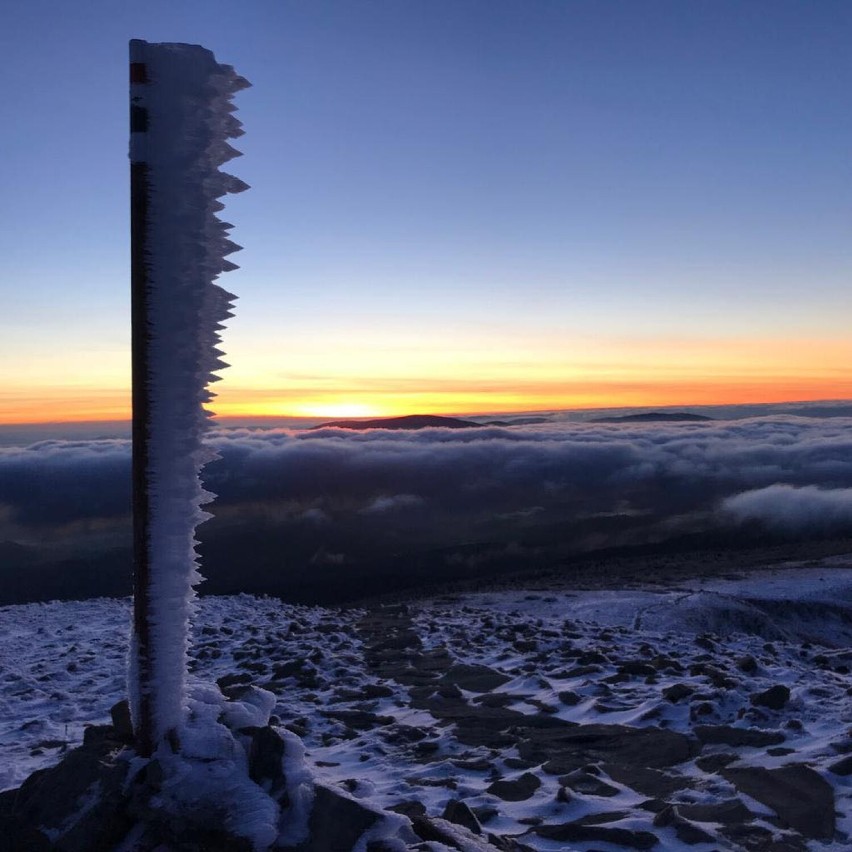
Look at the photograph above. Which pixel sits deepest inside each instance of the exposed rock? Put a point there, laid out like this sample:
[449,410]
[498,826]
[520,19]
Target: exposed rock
[476,764]
[574,832]
[842,767]
[565,749]
[774,698]
[442,831]
[459,813]
[649,782]
[517,790]
[16,835]
[685,831]
[517,763]
[508,844]
[636,668]
[121,723]
[51,798]
[579,671]
[451,691]
[727,811]
[409,808]
[485,813]
[234,679]
[587,784]
[265,753]
[336,822]
[726,735]
[474,678]
[499,699]
[756,838]
[714,762]
[802,799]
[602,817]
[360,720]
[678,691]
[747,664]
[376,690]
[780,751]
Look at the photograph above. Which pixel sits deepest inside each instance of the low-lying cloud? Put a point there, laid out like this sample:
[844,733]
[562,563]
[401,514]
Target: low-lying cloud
[294,497]
[789,509]
[491,470]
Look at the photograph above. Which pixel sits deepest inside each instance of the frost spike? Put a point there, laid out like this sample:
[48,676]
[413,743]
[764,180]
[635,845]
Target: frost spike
[180,123]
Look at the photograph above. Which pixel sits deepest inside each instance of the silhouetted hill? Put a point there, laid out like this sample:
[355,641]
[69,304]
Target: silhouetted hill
[517,421]
[411,421]
[655,417]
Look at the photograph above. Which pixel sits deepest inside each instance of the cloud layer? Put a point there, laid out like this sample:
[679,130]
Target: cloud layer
[794,510]
[593,466]
[337,497]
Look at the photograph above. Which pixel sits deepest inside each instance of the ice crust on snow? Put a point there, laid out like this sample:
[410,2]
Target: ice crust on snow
[187,96]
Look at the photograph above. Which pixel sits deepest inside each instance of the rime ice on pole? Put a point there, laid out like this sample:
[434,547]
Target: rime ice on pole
[181,120]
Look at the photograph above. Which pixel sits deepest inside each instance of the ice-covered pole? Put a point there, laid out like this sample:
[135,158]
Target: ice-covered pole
[181,118]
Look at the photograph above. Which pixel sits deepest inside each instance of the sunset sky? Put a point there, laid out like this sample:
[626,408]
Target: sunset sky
[457,206]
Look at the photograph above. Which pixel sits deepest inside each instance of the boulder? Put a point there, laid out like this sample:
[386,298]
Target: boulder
[747,664]
[265,756]
[774,698]
[53,799]
[442,831]
[517,790]
[587,784]
[568,748]
[842,767]
[726,811]
[459,813]
[802,799]
[678,691]
[336,822]
[685,831]
[648,782]
[474,678]
[714,762]
[576,832]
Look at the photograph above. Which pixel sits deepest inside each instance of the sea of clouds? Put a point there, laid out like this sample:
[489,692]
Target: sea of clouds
[789,472]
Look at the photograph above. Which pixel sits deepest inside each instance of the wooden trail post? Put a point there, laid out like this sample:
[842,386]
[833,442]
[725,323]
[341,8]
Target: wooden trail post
[181,117]
[140,340]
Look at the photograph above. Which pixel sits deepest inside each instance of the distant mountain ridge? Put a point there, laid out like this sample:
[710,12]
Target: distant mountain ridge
[410,421]
[656,417]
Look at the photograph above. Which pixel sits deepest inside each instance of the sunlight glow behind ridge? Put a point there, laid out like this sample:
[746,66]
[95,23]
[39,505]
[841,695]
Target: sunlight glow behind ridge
[368,375]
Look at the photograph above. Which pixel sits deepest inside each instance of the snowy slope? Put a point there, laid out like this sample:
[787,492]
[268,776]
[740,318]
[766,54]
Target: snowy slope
[386,712]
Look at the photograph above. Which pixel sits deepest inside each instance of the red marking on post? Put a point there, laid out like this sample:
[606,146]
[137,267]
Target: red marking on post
[138,72]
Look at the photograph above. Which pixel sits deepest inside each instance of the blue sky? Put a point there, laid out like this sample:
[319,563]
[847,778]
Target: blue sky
[440,183]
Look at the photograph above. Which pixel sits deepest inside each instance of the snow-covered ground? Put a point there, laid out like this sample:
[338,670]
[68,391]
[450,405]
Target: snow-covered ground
[470,698]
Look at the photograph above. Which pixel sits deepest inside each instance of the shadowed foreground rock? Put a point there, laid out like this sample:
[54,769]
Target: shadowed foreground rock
[101,796]
[801,798]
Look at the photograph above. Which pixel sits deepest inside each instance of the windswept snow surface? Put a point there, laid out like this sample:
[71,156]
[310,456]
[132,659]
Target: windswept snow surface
[355,685]
[182,100]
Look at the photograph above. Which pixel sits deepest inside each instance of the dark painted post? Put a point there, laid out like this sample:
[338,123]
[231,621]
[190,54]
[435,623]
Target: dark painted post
[140,339]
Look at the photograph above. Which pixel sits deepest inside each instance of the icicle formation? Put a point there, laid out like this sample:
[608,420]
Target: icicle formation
[181,119]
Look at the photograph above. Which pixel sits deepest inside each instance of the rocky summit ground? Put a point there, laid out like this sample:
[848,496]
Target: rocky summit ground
[705,715]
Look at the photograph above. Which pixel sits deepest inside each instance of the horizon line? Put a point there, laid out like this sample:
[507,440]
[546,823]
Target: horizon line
[492,413]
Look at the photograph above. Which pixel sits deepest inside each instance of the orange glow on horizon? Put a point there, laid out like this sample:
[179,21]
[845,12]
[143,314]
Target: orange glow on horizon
[277,404]
[360,378]
[531,398]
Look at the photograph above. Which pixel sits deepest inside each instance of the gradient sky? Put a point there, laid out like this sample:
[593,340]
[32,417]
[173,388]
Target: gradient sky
[456,205]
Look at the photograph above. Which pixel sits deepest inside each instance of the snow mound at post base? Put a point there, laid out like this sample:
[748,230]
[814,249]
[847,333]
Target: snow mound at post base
[238,784]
